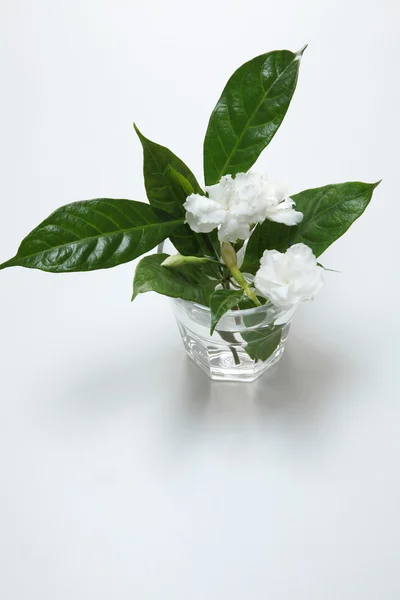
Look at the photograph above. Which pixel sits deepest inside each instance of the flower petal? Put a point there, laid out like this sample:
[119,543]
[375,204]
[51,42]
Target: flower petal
[232,230]
[203,214]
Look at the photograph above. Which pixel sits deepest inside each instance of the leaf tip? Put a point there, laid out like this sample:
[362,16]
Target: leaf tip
[136,128]
[326,269]
[8,263]
[300,52]
[375,185]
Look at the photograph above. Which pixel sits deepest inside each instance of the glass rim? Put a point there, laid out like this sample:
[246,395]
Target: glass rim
[241,312]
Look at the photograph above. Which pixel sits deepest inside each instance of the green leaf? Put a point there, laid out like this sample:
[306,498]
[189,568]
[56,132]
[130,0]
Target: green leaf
[93,234]
[168,182]
[261,343]
[328,213]
[188,282]
[247,303]
[220,302]
[184,239]
[266,236]
[249,112]
[254,317]
[157,163]
[183,188]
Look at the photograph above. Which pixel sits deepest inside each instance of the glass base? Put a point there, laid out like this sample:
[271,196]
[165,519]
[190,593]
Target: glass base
[223,363]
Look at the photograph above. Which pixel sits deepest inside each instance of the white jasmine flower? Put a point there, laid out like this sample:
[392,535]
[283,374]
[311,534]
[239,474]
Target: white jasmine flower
[236,205]
[289,278]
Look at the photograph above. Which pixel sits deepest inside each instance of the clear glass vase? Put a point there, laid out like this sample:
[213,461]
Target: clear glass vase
[244,344]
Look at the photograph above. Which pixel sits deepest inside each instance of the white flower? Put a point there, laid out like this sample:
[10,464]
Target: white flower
[236,205]
[289,278]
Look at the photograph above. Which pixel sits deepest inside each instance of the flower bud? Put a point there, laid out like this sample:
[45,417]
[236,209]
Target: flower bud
[228,254]
[178,260]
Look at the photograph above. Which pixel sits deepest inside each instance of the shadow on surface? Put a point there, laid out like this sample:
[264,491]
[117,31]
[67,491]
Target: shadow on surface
[118,381]
[296,392]
[299,388]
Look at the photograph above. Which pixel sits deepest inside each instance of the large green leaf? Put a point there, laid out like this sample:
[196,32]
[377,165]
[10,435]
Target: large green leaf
[328,212]
[188,282]
[93,234]
[249,112]
[261,343]
[168,182]
[221,301]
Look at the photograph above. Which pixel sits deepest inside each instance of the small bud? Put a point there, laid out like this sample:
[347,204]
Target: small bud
[178,260]
[228,254]
[230,259]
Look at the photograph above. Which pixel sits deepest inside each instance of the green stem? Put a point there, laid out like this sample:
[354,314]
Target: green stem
[230,338]
[238,277]
[229,257]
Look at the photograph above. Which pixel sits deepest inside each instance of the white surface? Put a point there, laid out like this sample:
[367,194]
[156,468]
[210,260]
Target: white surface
[125,473]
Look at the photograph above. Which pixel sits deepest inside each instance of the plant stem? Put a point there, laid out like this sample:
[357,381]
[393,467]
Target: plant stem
[230,259]
[238,277]
[230,338]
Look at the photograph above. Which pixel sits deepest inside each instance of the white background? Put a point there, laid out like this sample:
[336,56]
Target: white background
[125,473]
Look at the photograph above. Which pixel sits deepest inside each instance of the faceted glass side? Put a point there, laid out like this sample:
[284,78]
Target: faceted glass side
[222,356]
